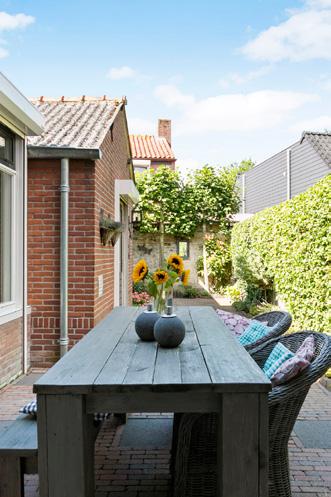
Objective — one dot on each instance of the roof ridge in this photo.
(149, 136)
(322, 133)
(82, 98)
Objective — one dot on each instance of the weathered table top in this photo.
(111, 358)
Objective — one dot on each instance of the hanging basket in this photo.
(110, 231)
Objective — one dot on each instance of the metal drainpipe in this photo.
(64, 189)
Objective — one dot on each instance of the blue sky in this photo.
(239, 78)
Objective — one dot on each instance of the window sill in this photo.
(7, 315)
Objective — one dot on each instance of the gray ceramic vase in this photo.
(169, 330)
(145, 322)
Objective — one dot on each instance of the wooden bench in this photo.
(18, 455)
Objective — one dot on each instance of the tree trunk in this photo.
(205, 269)
(161, 253)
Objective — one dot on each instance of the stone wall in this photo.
(146, 246)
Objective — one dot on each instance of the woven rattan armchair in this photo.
(278, 321)
(195, 459)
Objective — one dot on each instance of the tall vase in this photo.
(163, 298)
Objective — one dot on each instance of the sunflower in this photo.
(140, 270)
(160, 276)
(176, 262)
(185, 276)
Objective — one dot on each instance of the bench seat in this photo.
(19, 438)
(18, 455)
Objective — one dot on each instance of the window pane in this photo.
(2, 147)
(183, 249)
(7, 147)
(5, 237)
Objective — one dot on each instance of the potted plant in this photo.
(159, 283)
(110, 230)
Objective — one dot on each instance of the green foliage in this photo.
(218, 260)
(207, 197)
(213, 193)
(286, 249)
(165, 198)
(189, 292)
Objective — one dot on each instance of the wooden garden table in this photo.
(111, 370)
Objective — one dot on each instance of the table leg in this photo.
(243, 445)
(65, 446)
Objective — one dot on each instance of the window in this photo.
(140, 169)
(183, 249)
(7, 147)
(7, 174)
(5, 236)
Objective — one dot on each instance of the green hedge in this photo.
(286, 248)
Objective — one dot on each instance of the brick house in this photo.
(79, 171)
(149, 151)
(18, 119)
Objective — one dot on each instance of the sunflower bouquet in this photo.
(159, 283)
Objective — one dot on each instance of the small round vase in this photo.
(145, 322)
(169, 330)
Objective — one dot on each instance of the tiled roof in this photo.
(151, 147)
(321, 142)
(75, 122)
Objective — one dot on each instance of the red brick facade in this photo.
(91, 189)
(11, 350)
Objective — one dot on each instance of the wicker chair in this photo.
(195, 461)
(279, 321)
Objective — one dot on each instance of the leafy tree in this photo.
(173, 207)
(165, 199)
(215, 197)
(167, 205)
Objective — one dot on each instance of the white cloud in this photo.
(305, 35)
(123, 72)
(9, 22)
(3, 53)
(240, 79)
(170, 96)
(320, 123)
(326, 85)
(319, 3)
(141, 126)
(233, 112)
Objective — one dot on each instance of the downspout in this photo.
(64, 189)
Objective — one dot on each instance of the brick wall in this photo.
(11, 348)
(91, 189)
(112, 166)
(44, 255)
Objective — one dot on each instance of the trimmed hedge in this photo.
(286, 248)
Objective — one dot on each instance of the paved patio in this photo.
(131, 465)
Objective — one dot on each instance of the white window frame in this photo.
(13, 308)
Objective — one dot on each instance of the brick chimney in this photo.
(165, 129)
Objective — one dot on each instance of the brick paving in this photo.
(138, 472)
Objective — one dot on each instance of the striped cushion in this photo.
(31, 409)
(277, 357)
(253, 333)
